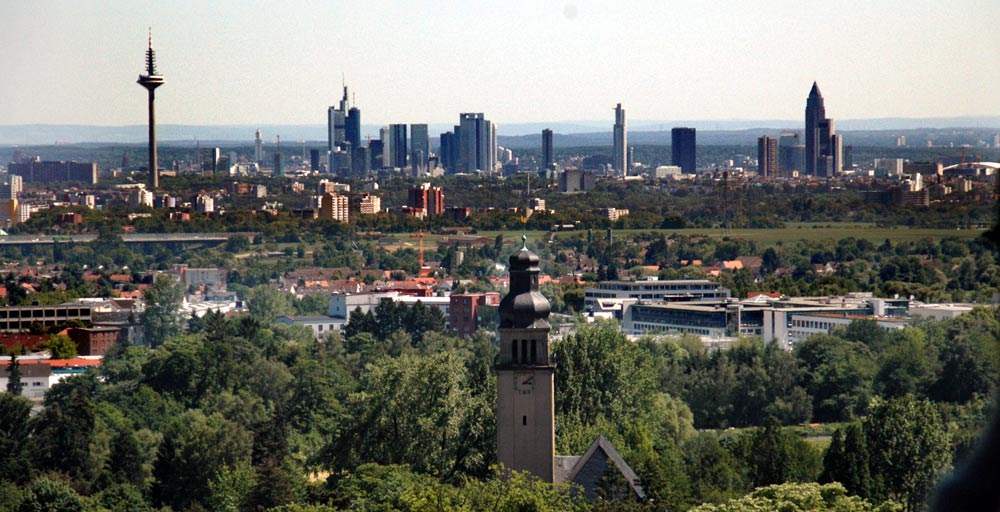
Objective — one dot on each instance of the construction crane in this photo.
(420, 235)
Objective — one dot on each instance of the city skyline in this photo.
(235, 64)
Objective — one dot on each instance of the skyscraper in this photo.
(258, 147)
(815, 113)
(10, 187)
(547, 161)
(823, 146)
(334, 118)
(314, 160)
(619, 160)
(375, 153)
(398, 149)
(279, 162)
(386, 138)
(477, 143)
(337, 120)
(791, 153)
(683, 149)
(353, 127)
(216, 159)
(449, 151)
(420, 148)
(151, 80)
(767, 156)
(333, 206)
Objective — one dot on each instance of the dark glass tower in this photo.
(397, 132)
(683, 149)
(353, 127)
(767, 157)
(619, 160)
(151, 80)
(547, 162)
(815, 119)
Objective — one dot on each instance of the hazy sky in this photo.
(229, 62)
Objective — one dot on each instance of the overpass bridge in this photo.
(128, 238)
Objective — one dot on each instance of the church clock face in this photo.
(524, 382)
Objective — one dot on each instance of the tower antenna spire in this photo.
(150, 81)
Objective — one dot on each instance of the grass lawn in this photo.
(793, 231)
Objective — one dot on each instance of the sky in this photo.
(283, 62)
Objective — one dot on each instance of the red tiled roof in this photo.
(57, 363)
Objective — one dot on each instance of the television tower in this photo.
(151, 80)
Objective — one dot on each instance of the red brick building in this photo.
(18, 341)
(94, 341)
(463, 311)
(425, 200)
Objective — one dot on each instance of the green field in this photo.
(764, 237)
(794, 231)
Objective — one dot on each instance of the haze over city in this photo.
(237, 63)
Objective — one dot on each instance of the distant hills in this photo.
(567, 133)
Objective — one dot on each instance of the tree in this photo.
(775, 456)
(67, 437)
(802, 497)
(770, 261)
(715, 472)
(162, 299)
(122, 498)
(61, 346)
(601, 375)
(230, 488)
(867, 332)
(420, 319)
(275, 483)
(15, 464)
(847, 461)
(969, 357)
(838, 375)
(908, 447)
(50, 494)
(123, 363)
(905, 365)
(360, 322)
(266, 303)
(195, 449)
(419, 410)
(14, 385)
(174, 369)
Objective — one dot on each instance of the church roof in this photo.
(524, 306)
(590, 470)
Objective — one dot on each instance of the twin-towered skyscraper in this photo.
(343, 127)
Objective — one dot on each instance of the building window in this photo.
(524, 420)
(513, 351)
(533, 352)
(524, 351)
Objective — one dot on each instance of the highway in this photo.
(128, 238)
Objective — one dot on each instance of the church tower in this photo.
(526, 434)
